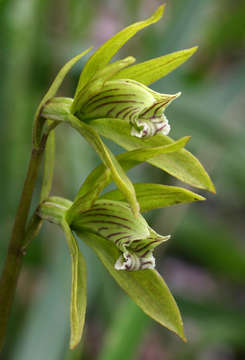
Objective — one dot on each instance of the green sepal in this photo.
(155, 196)
(109, 160)
(104, 54)
(132, 158)
(78, 287)
(54, 210)
(127, 160)
(37, 127)
(180, 164)
(152, 70)
(146, 287)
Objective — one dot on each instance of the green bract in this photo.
(123, 99)
(114, 221)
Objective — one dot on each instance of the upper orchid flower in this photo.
(126, 99)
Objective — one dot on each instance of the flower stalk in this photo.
(14, 259)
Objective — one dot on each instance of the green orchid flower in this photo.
(114, 221)
(124, 99)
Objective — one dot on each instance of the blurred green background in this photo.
(204, 263)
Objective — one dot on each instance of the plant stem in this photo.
(14, 259)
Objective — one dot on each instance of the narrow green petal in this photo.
(132, 158)
(104, 54)
(53, 89)
(109, 160)
(127, 160)
(146, 287)
(152, 70)
(180, 164)
(78, 288)
(155, 196)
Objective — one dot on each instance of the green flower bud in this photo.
(123, 99)
(114, 221)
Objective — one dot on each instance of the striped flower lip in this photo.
(124, 99)
(114, 221)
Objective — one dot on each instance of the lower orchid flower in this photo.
(132, 235)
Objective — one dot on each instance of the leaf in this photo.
(52, 91)
(146, 287)
(104, 54)
(127, 160)
(117, 173)
(155, 196)
(78, 288)
(180, 164)
(152, 70)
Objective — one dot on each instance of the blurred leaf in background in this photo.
(204, 264)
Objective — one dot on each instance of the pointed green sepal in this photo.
(104, 54)
(156, 196)
(78, 288)
(109, 160)
(54, 210)
(152, 70)
(127, 161)
(180, 164)
(146, 287)
(37, 128)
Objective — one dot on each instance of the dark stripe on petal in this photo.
(132, 108)
(107, 97)
(115, 234)
(109, 222)
(160, 129)
(93, 209)
(149, 109)
(145, 253)
(121, 111)
(98, 94)
(133, 113)
(109, 215)
(148, 244)
(159, 107)
(123, 237)
(110, 111)
(117, 102)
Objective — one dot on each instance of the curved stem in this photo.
(35, 222)
(14, 259)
